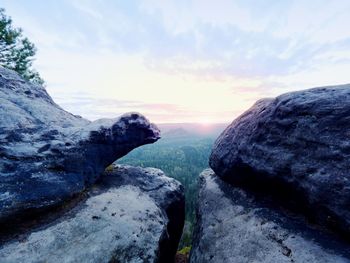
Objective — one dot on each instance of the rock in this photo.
(234, 225)
(295, 147)
(131, 214)
(180, 258)
(47, 155)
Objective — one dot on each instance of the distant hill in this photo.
(179, 130)
(176, 133)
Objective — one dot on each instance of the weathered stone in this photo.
(130, 215)
(47, 154)
(297, 148)
(236, 226)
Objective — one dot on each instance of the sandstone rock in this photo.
(130, 215)
(297, 148)
(47, 154)
(233, 225)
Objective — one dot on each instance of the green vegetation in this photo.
(182, 158)
(185, 251)
(16, 51)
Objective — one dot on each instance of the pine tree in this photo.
(16, 51)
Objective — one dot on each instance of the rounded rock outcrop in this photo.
(296, 148)
(48, 155)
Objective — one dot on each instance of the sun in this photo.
(205, 121)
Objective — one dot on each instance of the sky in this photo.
(183, 61)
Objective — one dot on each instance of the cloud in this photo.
(183, 59)
(240, 38)
(220, 39)
(93, 108)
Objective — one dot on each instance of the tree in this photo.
(16, 51)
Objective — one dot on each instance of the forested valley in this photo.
(182, 153)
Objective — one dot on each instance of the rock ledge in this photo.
(233, 225)
(131, 214)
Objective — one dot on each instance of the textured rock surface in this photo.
(47, 154)
(235, 226)
(297, 148)
(130, 215)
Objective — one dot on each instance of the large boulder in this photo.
(130, 215)
(296, 148)
(47, 155)
(235, 225)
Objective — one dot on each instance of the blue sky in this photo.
(183, 61)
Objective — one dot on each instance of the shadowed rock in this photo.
(236, 226)
(296, 148)
(131, 214)
(47, 154)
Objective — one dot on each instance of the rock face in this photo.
(130, 215)
(234, 225)
(47, 155)
(296, 148)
